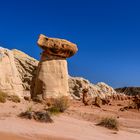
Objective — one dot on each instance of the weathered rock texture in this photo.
(18, 71)
(26, 67)
(52, 75)
(78, 84)
(57, 47)
(52, 79)
(10, 81)
(129, 90)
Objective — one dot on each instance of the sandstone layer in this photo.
(129, 90)
(26, 67)
(57, 47)
(77, 84)
(51, 80)
(18, 71)
(10, 81)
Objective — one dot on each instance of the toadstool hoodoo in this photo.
(51, 79)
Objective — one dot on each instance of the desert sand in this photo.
(77, 123)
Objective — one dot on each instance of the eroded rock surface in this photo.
(57, 47)
(51, 79)
(10, 81)
(26, 67)
(129, 90)
(77, 84)
(18, 71)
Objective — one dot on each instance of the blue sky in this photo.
(107, 33)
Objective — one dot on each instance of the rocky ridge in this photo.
(23, 68)
(129, 90)
(10, 81)
(26, 67)
(77, 84)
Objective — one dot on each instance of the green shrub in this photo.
(3, 97)
(59, 105)
(109, 122)
(14, 98)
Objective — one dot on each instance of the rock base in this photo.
(51, 79)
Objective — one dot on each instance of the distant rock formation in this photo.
(78, 84)
(129, 90)
(52, 75)
(10, 81)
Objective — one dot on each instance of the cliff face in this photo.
(10, 81)
(77, 84)
(26, 67)
(17, 72)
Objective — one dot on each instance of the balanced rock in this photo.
(52, 74)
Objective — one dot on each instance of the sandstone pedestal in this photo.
(52, 75)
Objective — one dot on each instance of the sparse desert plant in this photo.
(59, 105)
(29, 109)
(14, 98)
(109, 122)
(27, 114)
(41, 116)
(3, 97)
(53, 110)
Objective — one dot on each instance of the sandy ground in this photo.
(78, 123)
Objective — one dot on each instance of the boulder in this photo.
(57, 47)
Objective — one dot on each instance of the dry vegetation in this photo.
(59, 105)
(3, 97)
(55, 106)
(41, 116)
(14, 98)
(110, 123)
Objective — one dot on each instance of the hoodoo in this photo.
(51, 79)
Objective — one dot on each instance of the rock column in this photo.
(52, 74)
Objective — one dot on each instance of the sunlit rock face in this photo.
(77, 84)
(10, 81)
(57, 47)
(26, 66)
(52, 74)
